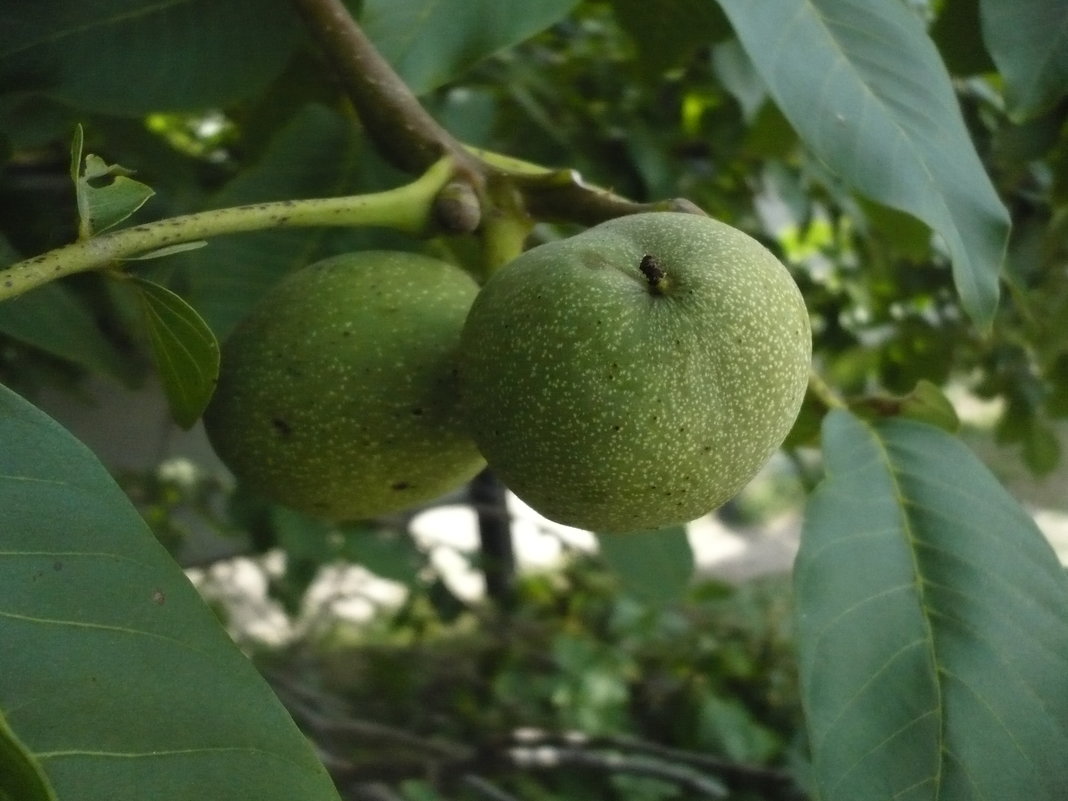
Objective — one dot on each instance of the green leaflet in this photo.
(869, 94)
(1028, 40)
(117, 678)
(933, 625)
(184, 348)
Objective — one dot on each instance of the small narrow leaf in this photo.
(103, 206)
(654, 566)
(169, 250)
(96, 167)
(77, 143)
(1028, 40)
(108, 205)
(81, 199)
(932, 623)
(925, 403)
(928, 404)
(185, 350)
(865, 88)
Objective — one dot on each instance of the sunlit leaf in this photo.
(865, 88)
(735, 71)
(933, 625)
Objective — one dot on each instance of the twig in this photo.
(409, 137)
(487, 788)
(564, 196)
(495, 537)
(547, 757)
(304, 705)
(822, 391)
(495, 195)
(407, 208)
(400, 127)
(737, 770)
(375, 791)
(527, 749)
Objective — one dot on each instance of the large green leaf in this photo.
(1028, 40)
(932, 624)
(118, 682)
(134, 56)
(865, 88)
(429, 42)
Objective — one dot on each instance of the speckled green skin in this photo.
(338, 392)
(609, 404)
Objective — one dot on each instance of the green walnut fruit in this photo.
(638, 374)
(338, 392)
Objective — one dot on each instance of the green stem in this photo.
(823, 391)
(407, 208)
(562, 195)
(505, 226)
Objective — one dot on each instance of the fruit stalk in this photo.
(821, 390)
(407, 208)
(488, 496)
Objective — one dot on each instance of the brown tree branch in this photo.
(729, 769)
(406, 134)
(402, 130)
(548, 758)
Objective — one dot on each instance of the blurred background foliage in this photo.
(556, 698)
(432, 691)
